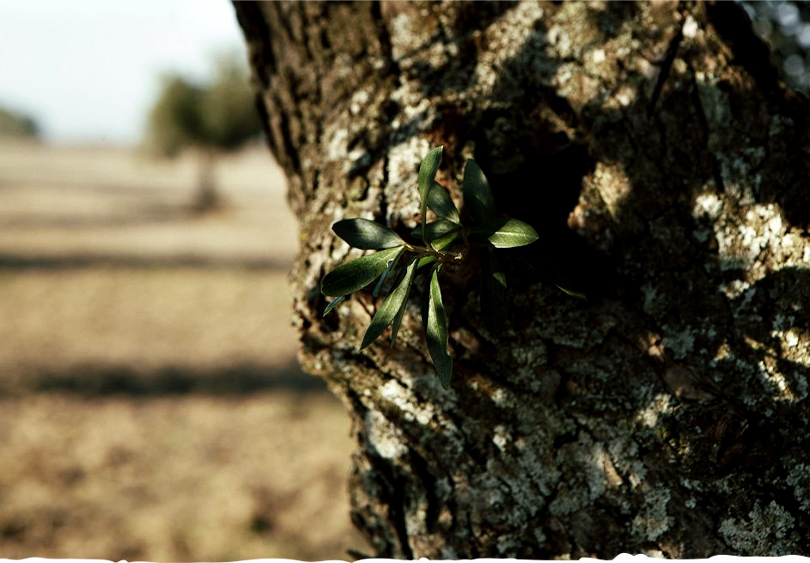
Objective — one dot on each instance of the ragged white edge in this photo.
(627, 558)
(244, 561)
(43, 560)
(622, 558)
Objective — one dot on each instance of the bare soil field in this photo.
(151, 407)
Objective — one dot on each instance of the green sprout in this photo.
(445, 244)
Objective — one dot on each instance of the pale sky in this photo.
(88, 70)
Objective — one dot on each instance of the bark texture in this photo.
(665, 168)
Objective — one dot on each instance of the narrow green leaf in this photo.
(390, 268)
(436, 332)
(509, 233)
(367, 235)
(440, 202)
(478, 197)
(424, 261)
(398, 319)
(436, 229)
(357, 274)
(427, 176)
(390, 308)
(572, 293)
(332, 304)
(446, 240)
(493, 293)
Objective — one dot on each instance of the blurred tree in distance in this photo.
(16, 125)
(207, 118)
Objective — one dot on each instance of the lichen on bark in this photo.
(664, 167)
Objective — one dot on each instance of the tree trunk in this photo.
(665, 168)
(206, 197)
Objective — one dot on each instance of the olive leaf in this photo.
(445, 240)
(436, 230)
(478, 199)
(390, 268)
(390, 309)
(366, 234)
(572, 293)
(424, 261)
(436, 332)
(333, 303)
(357, 274)
(427, 176)
(398, 319)
(509, 233)
(440, 202)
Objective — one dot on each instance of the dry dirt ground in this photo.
(150, 404)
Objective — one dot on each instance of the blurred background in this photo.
(785, 26)
(151, 405)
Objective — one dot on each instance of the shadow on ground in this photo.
(10, 261)
(244, 379)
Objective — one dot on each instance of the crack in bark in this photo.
(384, 37)
(666, 66)
(716, 166)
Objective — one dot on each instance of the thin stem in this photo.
(441, 256)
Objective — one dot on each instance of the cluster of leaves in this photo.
(445, 243)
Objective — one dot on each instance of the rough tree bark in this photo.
(665, 168)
